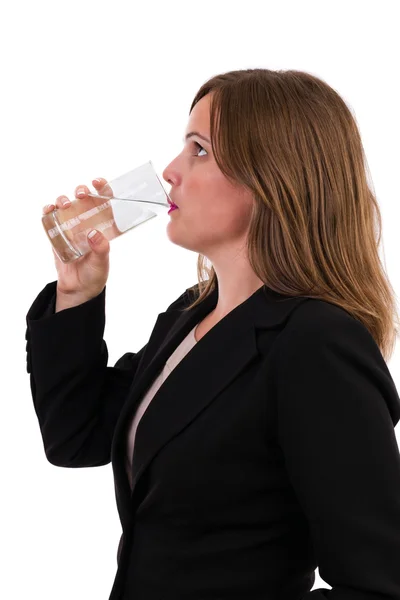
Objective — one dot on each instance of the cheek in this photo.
(226, 219)
(212, 201)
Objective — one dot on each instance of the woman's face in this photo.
(213, 216)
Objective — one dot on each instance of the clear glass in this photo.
(123, 204)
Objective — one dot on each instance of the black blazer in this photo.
(269, 450)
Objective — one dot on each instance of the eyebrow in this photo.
(192, 133)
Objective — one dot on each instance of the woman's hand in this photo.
(85, 277)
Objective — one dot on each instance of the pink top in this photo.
(180, 352)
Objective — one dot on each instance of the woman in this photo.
(266, 410)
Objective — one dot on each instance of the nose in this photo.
(167, 174)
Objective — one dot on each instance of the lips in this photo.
(172, 204)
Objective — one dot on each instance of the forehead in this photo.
(199, 118)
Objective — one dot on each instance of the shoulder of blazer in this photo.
(320, 331)
(319, 322)
(311, 315)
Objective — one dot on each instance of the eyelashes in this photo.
(199, 147)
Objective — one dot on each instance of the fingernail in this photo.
(92, 234)
(80, 193)
(65, 202)
(97, 180)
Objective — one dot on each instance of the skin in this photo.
(213, 216)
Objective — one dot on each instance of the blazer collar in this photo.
(218, 358)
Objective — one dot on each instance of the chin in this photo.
(179, 240)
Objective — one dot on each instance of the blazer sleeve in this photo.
(76, 396)
(337, 406)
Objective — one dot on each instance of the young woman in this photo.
(252, 438)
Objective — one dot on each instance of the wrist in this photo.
(64, 301)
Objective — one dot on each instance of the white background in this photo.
(94, 89)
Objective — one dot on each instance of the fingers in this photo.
(48, 208)
(81, 191)
(100, 184)
(61, 202)
(102, 187)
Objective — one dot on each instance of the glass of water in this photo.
(123, 204)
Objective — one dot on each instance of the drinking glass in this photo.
(125, 203)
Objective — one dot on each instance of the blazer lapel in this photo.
(223, 353)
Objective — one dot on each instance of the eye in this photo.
(199, 147)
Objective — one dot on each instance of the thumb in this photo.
(98, 242)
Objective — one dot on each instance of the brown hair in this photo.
(291, 140)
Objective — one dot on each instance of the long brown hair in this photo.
(316, 224)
